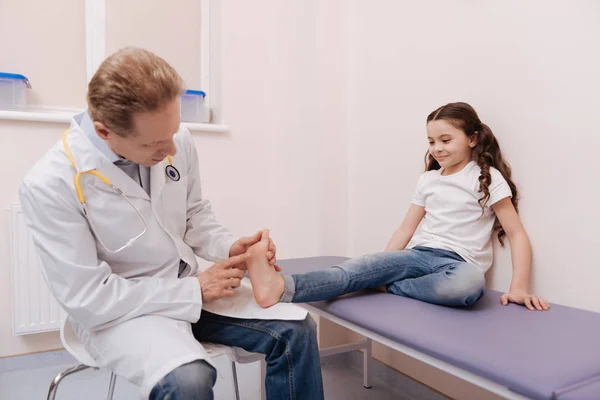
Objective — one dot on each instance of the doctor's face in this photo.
(152, 141)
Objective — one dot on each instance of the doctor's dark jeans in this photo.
(290, 349)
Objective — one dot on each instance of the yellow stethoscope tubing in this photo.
(104, 179)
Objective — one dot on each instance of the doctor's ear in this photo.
(102, 130)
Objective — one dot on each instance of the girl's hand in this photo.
(523, 298)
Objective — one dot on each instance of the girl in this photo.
(465, 195)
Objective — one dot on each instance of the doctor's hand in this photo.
(221, 279)
(240, 247)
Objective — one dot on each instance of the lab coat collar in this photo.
(88, 157)
(158, 178)
(87, 126)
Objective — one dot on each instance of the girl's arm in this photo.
(521, 257)
(411, 221)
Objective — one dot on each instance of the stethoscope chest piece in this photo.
(172, 173)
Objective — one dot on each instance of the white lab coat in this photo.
(129, 309)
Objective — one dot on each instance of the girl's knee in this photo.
(465, 284)
(474, 297)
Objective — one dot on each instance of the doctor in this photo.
(117, 216)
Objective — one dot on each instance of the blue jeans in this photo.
(290, 347)
(431, 275)
(190, 381)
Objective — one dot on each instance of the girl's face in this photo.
(450, 146)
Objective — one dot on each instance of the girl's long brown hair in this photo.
(486, 152)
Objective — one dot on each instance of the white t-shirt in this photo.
(453, 219)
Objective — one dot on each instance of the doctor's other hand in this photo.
(221, 279)
(243, 244)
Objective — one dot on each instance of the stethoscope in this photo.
(171, 172)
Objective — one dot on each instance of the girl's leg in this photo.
(453, 284)
(363, 272)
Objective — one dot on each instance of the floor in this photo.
(27, 378)
(343, 382)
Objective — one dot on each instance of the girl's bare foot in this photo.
(381, 289)
(267, 284)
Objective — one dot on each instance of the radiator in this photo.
(34, 309)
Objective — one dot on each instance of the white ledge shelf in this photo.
(213, 128)
(38, 116)
(65, 117)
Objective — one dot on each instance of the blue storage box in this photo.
(193, 108)
(13, 91)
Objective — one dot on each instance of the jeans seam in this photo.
(288, 356)
(273, 334)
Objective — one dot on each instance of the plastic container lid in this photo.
(18, 77)
(195, 93)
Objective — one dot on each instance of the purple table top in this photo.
(542, 355)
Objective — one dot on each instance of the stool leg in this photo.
(235, 381)
(263, 379)
(60, 377)
(111, 386)
(367, 361)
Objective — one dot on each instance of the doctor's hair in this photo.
(128, 82)
(486, 152)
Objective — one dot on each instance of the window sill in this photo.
(38, 116)
(213, 128)
(65, 117)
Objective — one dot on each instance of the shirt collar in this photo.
(87, 126)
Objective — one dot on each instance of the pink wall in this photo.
(149, 24)
(25, 143)
(284, 99)
(534, 80)
(327, 101)
(282, 166)
(55, 62)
